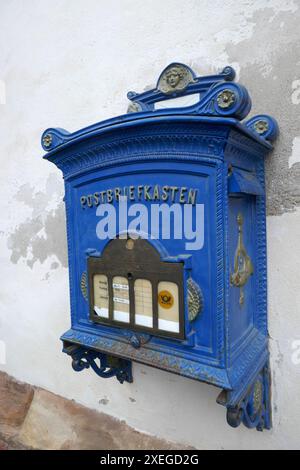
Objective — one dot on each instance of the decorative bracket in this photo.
(110, 366)
(254, 409)
(243, 267)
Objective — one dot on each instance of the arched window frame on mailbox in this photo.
(122, 258)
(183, 139)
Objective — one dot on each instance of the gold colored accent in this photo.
(225, 99)
(164, 192)
(261, 126)
(195, 299)
(243, 267)
(47, 140)
(165, 299)
(130, 244)
(175, 79)
(134, 107)
(257, 396)
(83, 285)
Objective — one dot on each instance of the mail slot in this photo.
(165, 209)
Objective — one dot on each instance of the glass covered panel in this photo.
(143, 303)
(101, 295)
(168, 307)
(121, 305)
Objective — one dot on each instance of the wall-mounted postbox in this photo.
(166, 237)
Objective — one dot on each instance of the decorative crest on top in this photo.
(178, 80)
(211, 95)
(175, 78)
(180, 92)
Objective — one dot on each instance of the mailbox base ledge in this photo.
(193, 369)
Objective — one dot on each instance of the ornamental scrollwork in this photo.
(103, 365)
(254, 409)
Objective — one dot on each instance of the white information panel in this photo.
(168, 306)
(121, 305)
(101, 295)
(143, 303)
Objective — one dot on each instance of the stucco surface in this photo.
(70, 64)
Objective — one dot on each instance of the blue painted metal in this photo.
(83, 358)
(201, 146)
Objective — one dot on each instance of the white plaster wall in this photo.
(68, 64)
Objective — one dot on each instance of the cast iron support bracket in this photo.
(254, 408)
(109, 366)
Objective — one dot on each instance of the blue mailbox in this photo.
(166, 233)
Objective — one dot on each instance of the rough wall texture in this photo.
(70, 67)
(32, 418)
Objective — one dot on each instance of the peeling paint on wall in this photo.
(269, 66)
(296, 92)
(295, 157)
(43, 234)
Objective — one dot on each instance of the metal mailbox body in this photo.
(210, 161)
